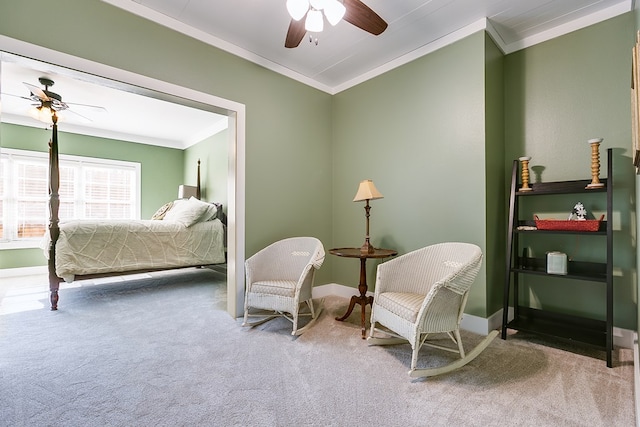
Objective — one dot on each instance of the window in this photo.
(90, 188)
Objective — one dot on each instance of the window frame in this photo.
(78, 162)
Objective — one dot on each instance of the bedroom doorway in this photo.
(116, 79)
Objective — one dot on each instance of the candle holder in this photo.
(524, 161)
(595, 164)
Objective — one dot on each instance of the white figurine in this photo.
(579, 212)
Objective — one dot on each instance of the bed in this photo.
(182, 233)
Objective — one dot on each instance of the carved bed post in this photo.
(198, 184)
(54, 205)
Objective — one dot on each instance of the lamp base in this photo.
(594, 185)
(367, 248)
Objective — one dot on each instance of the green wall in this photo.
(559, 94)
(436, 135)
(418, 132)
(213, 154)
(161, 171)
(288, 124)
(496, 198)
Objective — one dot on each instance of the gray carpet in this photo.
(161, 351)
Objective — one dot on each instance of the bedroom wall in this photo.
(559, 94)
(637, 195)
(161, 170)
(213, 154)
(496, 196)
(288, 124)
(419, 132)
(426, 133)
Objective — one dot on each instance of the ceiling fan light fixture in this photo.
(42, 114)
(334, 10)
(314, 21)
(318, 4)
(297, 8)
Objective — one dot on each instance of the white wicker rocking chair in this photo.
(280, 278)
(424, 292)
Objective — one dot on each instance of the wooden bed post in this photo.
(54, 206)
(198, 183)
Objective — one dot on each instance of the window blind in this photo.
(89, 189)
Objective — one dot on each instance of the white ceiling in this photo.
(256, 30)
(127, 113)
(346, 55)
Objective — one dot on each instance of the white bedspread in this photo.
(90, 247)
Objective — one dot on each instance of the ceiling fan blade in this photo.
(295, 33)
(37, 91)
(88, 120)
(360, 15)
(95, 108)
(17, 96)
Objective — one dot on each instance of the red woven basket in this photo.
(568, 225)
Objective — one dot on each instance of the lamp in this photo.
(367, 191)
(333, 10)
(314, 21)
(297, 8)
(42, 114)
(187, 191)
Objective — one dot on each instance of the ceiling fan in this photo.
(355, 13)
(46, 102)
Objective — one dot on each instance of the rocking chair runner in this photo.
(280, 278)
(424, 292)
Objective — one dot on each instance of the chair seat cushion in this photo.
(284, 288)
(405, 305)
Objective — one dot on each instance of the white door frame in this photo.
(237, 122)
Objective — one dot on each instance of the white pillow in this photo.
(212, 212)
(160, 213)
(187, 213)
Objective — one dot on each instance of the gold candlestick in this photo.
(595, 164)
(525, 173)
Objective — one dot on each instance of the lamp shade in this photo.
(314, 21)
(187, 191)
(334, 11)
(42, 114)
(367, 191)
(297, 8)
(318, 4)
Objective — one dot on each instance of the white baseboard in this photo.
(469, 322)
(636, 377)
(479, 325)
(621, 337)
(23, 271)
(333, 289)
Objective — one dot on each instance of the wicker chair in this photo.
(280, 278)
(424, 292)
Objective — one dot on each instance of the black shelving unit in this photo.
(594, 332)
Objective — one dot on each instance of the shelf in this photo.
(579, 270)
(562, 187)
(567, 327)
(602, 230)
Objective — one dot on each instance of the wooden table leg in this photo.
(361, 299)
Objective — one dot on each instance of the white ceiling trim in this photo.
(187, 30)
(479, 25)
(570, 27)
(27, 50)
(102, 133)
(217, 127)
(447, 40)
